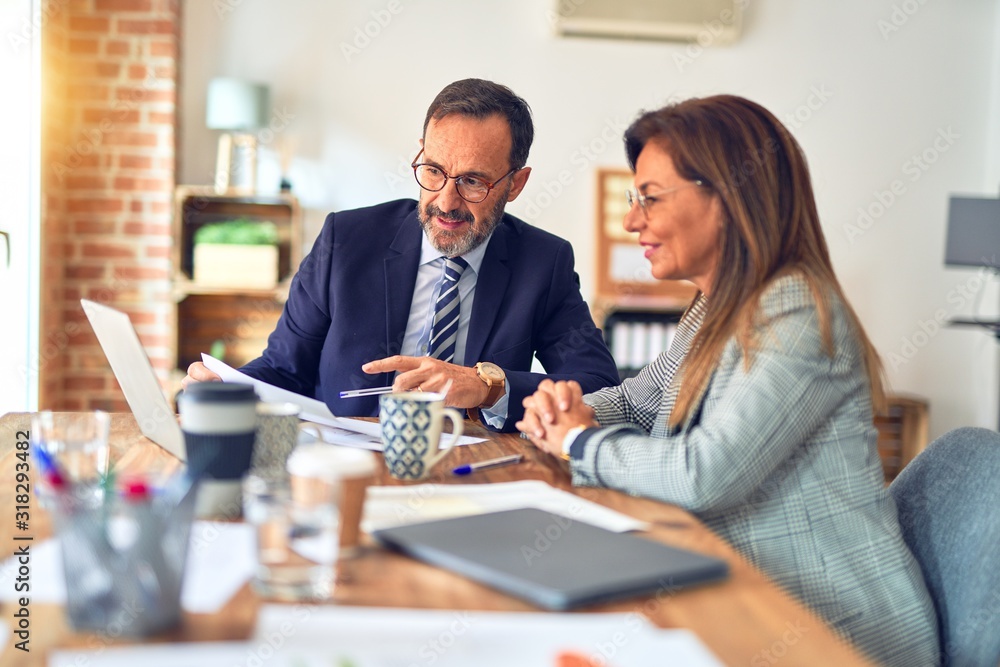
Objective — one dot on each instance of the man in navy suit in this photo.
(385, 287)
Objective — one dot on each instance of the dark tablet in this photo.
(550, 560)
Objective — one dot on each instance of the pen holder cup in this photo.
(124, 562)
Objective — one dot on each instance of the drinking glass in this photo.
(77, 443)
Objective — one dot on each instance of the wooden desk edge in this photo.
(756, 620)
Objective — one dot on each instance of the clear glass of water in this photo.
(297, 539)
(77, 442)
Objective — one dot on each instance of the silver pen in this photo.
(375, 391)
(371, 391)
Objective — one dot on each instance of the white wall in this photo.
(861, 99)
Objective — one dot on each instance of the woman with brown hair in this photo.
(759, 417)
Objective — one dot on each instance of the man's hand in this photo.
(429, 374)
(551, 411)
(198, 372)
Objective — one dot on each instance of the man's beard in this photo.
(453, 244)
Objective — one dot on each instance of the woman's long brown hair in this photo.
(770, 226)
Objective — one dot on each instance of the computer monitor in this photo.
(973, 232)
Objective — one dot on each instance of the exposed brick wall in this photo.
(108, 141)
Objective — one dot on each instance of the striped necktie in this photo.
(444, 331)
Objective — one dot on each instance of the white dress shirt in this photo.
(416, 340)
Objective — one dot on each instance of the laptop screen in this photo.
(135, 374)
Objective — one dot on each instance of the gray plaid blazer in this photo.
(780, 461)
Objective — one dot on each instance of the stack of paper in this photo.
(387, 506)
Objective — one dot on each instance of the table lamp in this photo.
(237, 107)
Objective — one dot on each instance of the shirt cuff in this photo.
(496, 415)
(578, 449)
(570, 438)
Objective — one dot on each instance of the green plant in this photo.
(241, 231)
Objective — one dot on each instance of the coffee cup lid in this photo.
(278, 409)
(325, 461)
(219, 392)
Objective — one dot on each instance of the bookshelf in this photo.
(237, 314)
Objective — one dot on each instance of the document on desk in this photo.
(312, 410)
(221, 558)
(332, 429)
(387, 506)
(321, 636)
(357, 433)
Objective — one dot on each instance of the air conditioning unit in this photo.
(707, 22)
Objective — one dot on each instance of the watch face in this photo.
(492, 371)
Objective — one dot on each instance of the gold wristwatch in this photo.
(495, 379)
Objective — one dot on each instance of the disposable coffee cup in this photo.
(219, 423)
(306, 520)
(340, 473)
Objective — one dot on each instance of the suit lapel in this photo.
(679, 348)
(401, 265)
(491, 286)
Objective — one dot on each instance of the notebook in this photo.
(550, 560)
(131, 367)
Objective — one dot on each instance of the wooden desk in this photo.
(745, 620)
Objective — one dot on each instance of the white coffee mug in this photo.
(411, 432)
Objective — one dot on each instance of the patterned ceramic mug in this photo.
(277, 435)
(411, 432)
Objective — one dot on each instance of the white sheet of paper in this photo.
(342, 431)
(312, 410)
(335, 435)
(387, 506)
(321, 636)
(200, 654)
(221, 558)
(367, 435)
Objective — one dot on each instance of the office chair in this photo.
(949, 510)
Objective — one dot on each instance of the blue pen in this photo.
(50, 471)
(470, 468)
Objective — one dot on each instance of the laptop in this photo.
(552, 561)
(135, 374)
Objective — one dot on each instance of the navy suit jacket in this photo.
(350, 301)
